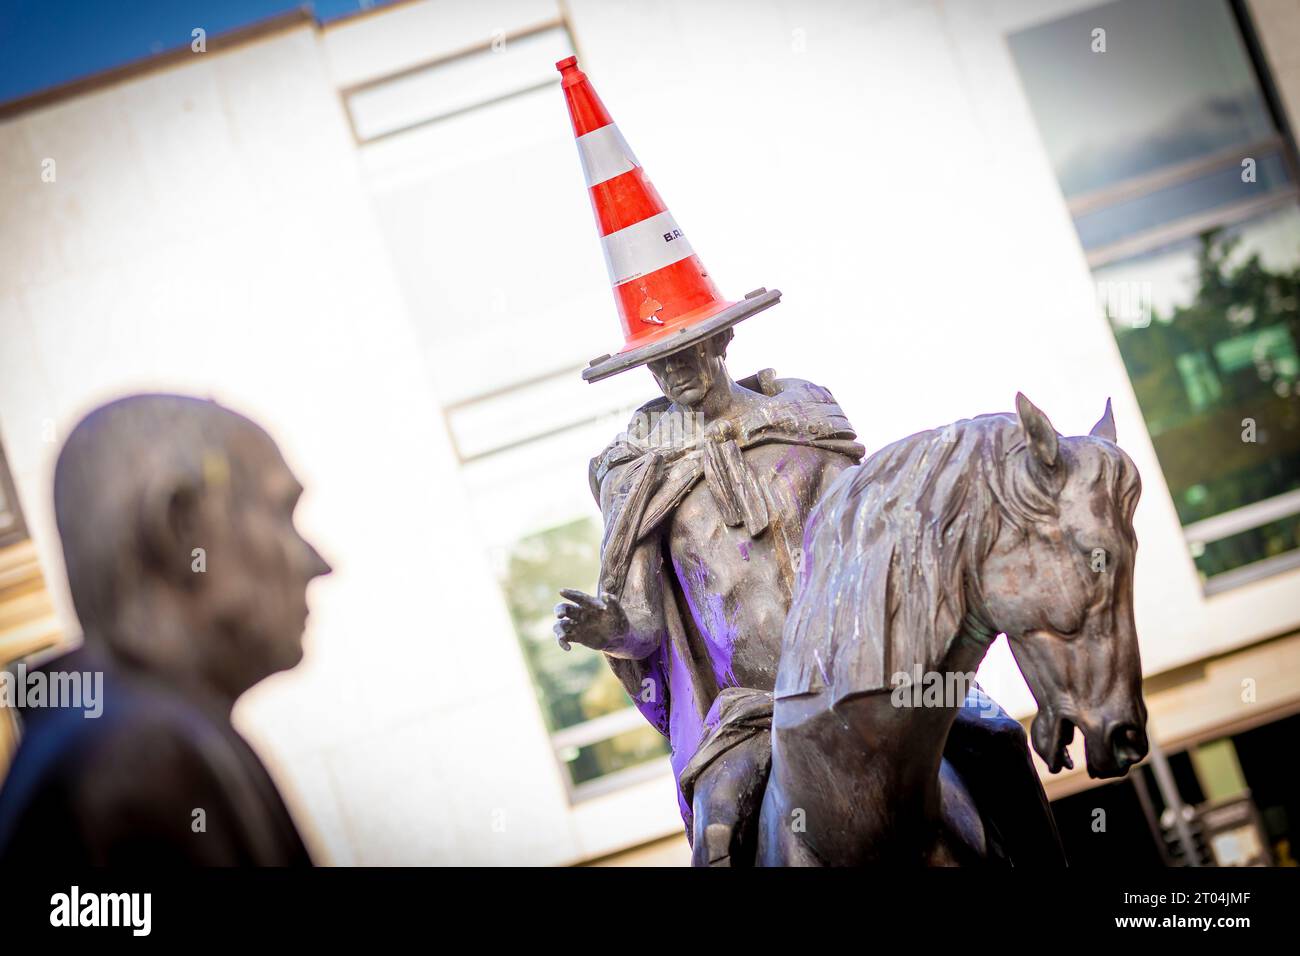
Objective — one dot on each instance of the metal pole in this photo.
(1139, 779)
(1169, 793)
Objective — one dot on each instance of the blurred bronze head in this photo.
(176, 516)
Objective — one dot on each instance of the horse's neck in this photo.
(906, 732)
(966, 651)
(899, 749)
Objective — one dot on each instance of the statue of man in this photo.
(189, 580)
(730, 473)
(705, 498)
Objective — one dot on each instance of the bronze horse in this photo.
(915, 560)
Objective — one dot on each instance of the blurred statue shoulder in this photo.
(125, 787)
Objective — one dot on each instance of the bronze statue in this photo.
(705, 531)
(918, 558)
(189, 580)
(706, 499)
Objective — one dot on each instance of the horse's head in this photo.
(1060, 586)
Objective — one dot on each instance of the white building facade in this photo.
(372, 237)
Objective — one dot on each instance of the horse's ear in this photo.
(1105, 427)
(1040, 436)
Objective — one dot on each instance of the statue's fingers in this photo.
(569, 611)
(580, 598)
(561, 636)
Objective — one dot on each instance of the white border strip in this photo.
(605, 154)
(645, 247)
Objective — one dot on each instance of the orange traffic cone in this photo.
(666, 300)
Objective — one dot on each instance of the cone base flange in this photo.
(609, 365)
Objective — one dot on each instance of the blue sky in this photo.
(47, 42)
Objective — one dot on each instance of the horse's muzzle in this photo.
(1127, 744)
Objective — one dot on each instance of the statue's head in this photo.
(1060, 586)
(688, 376)
(176, 516)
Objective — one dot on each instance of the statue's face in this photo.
(686, 377)
(254, 593)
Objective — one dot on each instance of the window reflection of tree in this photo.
(576, 686)
(1203, 368)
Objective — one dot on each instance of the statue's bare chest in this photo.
(739, 586)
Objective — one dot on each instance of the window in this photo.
(12, 527)
(594, 730)
(28, 626)
(1182, 187)
(476, 181)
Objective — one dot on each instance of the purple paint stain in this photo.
(711, 620)
(793, 459)
(685, 727)
(656, 710)
(744, 550)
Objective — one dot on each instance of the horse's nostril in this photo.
(1128, 744)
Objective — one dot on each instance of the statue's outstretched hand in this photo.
(592, 622)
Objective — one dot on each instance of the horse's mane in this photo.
(892, 547)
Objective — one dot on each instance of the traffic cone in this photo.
(665, 298)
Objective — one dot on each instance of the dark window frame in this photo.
(1246, 517)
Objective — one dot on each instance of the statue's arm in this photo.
(642, 603)
(626, 619)
(642, 594)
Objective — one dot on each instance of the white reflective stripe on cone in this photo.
(605, 154)
(645, 247)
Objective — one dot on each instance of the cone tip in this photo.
(568, 63)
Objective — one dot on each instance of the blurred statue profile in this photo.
(189, 580)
